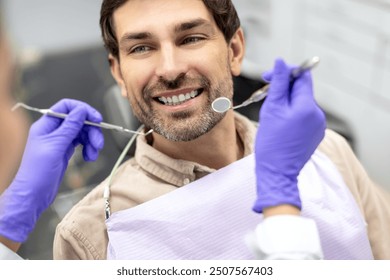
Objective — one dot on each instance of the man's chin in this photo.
(181, 115)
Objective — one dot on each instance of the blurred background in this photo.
(60, 55)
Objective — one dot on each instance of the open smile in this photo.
(174, 100)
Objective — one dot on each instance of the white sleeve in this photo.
(287, 237)
(7, 254)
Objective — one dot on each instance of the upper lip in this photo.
(174, 92)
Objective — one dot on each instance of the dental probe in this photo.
(222, 104)
(63, 116)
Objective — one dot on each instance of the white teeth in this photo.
(176, 100)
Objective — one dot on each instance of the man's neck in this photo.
(218, 148)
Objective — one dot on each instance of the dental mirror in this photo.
(223, 104)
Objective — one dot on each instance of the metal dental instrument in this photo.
(222, 104)
(63, 116)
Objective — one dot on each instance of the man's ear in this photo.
(117, 74)
(236, 52)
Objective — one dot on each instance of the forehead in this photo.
(157, 15)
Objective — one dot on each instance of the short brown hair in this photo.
(223, 11)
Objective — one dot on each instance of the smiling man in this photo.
(171, 59)
(171, 73)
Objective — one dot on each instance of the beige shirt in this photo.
(82, 233)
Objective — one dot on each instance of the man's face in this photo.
(174, 62)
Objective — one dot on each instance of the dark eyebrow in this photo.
(178, 28)
(135, 36)
(192, 24)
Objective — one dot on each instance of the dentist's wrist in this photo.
(12, 245)
(284, 209)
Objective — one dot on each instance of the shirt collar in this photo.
(181, 172)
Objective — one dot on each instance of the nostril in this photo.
(173, 83)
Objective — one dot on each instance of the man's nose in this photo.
(172, 63)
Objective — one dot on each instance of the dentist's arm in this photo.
(50, 145)
(291, 127)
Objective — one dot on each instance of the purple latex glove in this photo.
(291, 127)
(50, 145)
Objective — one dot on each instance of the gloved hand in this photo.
(291, 127)
(50, 145)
